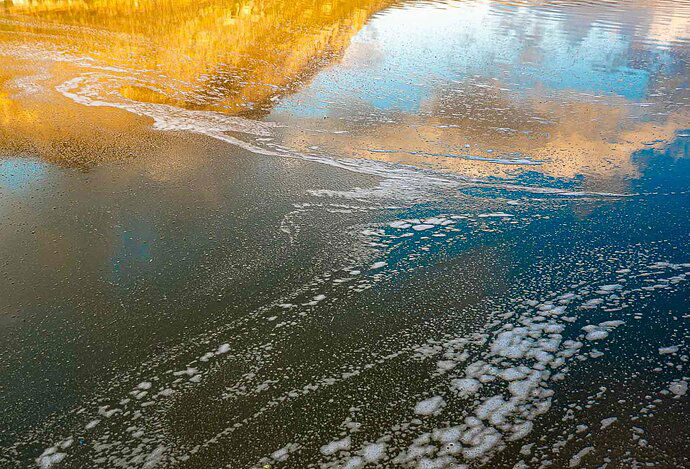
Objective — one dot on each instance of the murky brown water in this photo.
(344, 234)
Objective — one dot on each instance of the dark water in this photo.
(344, 234)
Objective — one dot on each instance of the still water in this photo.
(344, 234)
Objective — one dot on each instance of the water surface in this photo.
(344, 234)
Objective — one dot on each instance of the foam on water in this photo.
(335, 446)
(488, 388)
(535, 337)
(668, 350)
(679, 388)
(100, 85)
(503, 376)
(429, 406)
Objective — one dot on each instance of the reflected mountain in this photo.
(234, 57)
(237, 57)
(486, 88)
(480, 88)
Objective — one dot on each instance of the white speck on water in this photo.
(49, 457)
(92, 424)
(154, 457)
(445, 365)
(608, 421)
(611, 324)
(577, 459)
(189, 371)
(399, 224)
(679, 388)
(609, 288)
(466, 386)
(144, 385)
(373, 452)
(489, 406)
(668, 350)
(511, 374)
(282, 454)
(521, 430)
(595, 333)
(495, 215)
(590, 304)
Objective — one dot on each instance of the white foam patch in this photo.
(495, 215)
(466, 386)
(435, 221)
(335, 446)
(429, 406)
(283, 453)
(679, 388)
(596, 334)
(536, 345)
(92, 424)
(144, 385)
(50, 457)
(607, 422)
(536, 338)
(374, 452)
(576, 460)
(154, 457)
(609, 288)
(98, 89)
(445, 365)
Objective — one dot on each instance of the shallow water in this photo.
(344, 234)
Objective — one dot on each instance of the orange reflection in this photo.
(560, 137)
(240, 57)
(234, 56)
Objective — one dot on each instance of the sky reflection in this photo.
(577, 87)
(17, 174)
(480, 88)
(416, 48)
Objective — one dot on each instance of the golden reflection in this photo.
(563, 138)
(11, 113)
(34, 122)
(241, 57)
(234, 56)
